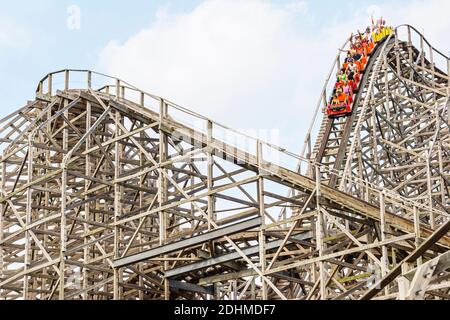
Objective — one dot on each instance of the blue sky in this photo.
(52, 46)
(268, 63)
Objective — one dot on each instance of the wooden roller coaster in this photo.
(109, 192)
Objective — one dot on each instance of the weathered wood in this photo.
(90, 177)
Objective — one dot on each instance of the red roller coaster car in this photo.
(339, 110)
(351, 75)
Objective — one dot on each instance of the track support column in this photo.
(63, 231)
(162, 189)
(117, 206)
(261, 234)
(320, 232)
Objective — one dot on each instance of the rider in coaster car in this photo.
(342, 77)
(363, 62)
(357, 78)
(342, 97)
(356, 55)
(339, 84)
(353, 66)
(334, 102)
(348, 89)
(361, 46)
(347, 60)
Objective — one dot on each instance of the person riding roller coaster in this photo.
(350, 75)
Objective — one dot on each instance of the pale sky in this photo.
(250, 64)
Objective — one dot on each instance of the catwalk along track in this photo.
(109, 192)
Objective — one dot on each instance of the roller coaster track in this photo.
(109, 192)
(335, 133)
(338, 138)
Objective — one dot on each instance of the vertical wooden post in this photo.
(384, 251)
(433, 69)
(430, 195)
(448, 71)
(410, 52)
(210, 180)
(141, 204)
(253, 289)
(89, 79)
(162, 188)
(448, 104)
(210, 173)
(50, 84)
(40, 88)
(386, 82)
(28, 220)
(142, 99)
(117, 88)
(117, 205)
(262, 210)
(409, 36)
(397, 53)
(66, 80)
(417, 231)
(422, 54)
(234, 290)
(320, 227)
(441, 169)
(48, 129)
(309, 147)
(432, 63)
(87, 206)
(63, 232)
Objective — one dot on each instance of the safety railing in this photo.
(416, 39)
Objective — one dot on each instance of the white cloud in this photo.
(252, 63)
(298, 6)
(13, 35)
(242, 63)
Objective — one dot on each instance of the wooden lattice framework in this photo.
(108, 192)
